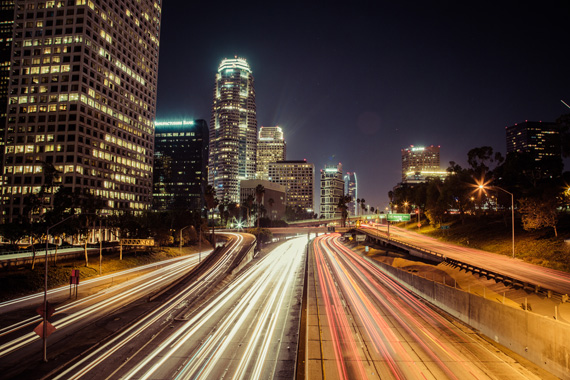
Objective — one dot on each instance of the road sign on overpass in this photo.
(398, 217)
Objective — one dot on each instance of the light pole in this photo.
(45, 287)
(482, 187)
(182, 229)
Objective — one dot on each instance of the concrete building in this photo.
(351, 189)
(180, 164)
(332, 188)
(274, 198)
(82, 98)
(298, 177)
(233, 129)
(6, 35)
(539, 139)
(271, 147)
(420, 163)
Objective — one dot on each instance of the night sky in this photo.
(357, 84)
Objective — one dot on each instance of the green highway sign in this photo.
(398, 217)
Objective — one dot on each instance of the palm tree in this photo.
(363, 205)
(211, 201)
(358, 206)
(343, 207)
(259, 192)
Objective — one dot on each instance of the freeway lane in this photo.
(21, 348)
(534, 274)
(246, 330)
(372, 328)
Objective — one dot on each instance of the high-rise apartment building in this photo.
(180, 164)
(6, 32)
(271, 147)
(351, 189)
(298, 179)
(82, 98)
(539, 139)
(541, 142)
(419, 163)
(332, 188)
(233, 129)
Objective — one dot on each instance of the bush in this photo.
(262, 235)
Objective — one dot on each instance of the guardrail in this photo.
(506, 279)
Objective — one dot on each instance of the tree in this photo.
(342, 205)
(537, 214)
(362, 205)
(259, 192)
(357, 205)
(211, 202)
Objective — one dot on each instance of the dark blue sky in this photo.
(356, 84)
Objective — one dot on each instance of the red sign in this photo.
(74, 279)
(50, 310)
(40, 329)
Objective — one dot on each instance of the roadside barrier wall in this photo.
(543, 340)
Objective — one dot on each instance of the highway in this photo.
(246, 330)
(371, 328)
(525, 272)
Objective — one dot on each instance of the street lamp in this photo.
(182, 229)
(483, 187)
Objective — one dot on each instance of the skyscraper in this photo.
(540, 142)
(6, 31)
(539, 139)
(351, 189)
(271, 147)
(233, 129)
(298, 177)
(180, 164)
(419, 163)
(332, 188)
(82, 98)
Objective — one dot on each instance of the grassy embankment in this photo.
(21, 281)
(494, 234)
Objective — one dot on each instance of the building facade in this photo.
(82, 100)
(6, 35)
(271, 147)
(332, 189)
(180, 164)
(298, 177)
(539, 139)
(351, 189)
(420, 163)
(233, 129)
(274, 198)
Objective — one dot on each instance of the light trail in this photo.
(104, 301)
(263, 288)
(408, 338)
(106, 350)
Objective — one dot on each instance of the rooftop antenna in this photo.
(563, 102)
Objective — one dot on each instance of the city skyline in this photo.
(366, 82)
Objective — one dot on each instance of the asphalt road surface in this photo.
(525, 272)
(246, 329)
(369, 327)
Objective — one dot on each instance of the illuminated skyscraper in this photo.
(419, 163)
(233, 129)
(6, 30)
(270, 148)
(351, 189)
(332, 188)
(298, 178)
(180, 164)
(82, 98)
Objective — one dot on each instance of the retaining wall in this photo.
(540, 339)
